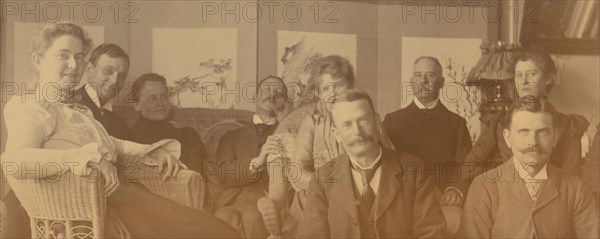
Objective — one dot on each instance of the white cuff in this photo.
(171, 145)
(253, 167)
(462, 196)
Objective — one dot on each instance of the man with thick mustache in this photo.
(242, 160)
(527, 197)
(369, 191)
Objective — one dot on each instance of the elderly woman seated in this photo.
(152, 102)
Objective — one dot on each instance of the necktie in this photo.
(368, 195)
(533, 187)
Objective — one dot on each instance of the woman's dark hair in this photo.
(141, 81)
(541, 58)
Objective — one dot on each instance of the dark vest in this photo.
(366, 224)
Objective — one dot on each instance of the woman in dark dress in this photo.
(53, 129)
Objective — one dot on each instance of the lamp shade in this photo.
(494, 63)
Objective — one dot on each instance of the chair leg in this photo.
(69, 229)
(47, 229)
(98, 228)
(34, 228)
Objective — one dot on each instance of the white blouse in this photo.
(69, 137)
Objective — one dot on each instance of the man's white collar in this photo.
(420, 105)
(540, 175)
(256, 119)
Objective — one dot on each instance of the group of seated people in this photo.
(359, 176)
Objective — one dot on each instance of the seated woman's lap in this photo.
(148, 215)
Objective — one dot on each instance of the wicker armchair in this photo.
(70, 206)
(64, 206)
(185, 188)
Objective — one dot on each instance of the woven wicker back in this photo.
(210, 124)
(63, 197)
(214, 134)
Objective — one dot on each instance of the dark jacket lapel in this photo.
(82, 96)
(342, 192)
(389, 183)
(549, 191)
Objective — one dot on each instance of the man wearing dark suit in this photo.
(428, 130)
(370, 191)
(527, 197)
(106, 73)
(242, 159)
(150, 93)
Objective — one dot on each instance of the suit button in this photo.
(355, 222)
(370, 222)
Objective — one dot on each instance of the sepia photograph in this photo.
(299, 119)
